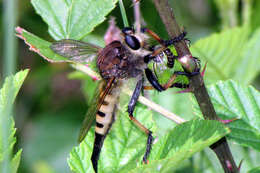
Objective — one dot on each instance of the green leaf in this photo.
(232, 100)
(39, 46)
(123, 148)
(250, 63)
(72, 18)
(8, 93)
(255, 15)
(223, 53)
(53, 137)
(125, 145)
(42, 48)
(16, 161)
(255, 170)
(12, 83)
(181, 143)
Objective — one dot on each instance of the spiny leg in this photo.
(170, 60)
(130, 110)
(170, 84)
(174, 40)
(165, 43)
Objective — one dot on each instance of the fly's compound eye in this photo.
(132, 42)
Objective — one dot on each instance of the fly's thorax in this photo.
(136, 58)
(120, 61)
(112, 60)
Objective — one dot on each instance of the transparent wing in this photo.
(100, 94)
(77, 51)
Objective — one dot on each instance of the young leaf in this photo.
(232, 100)
(181, 143)
(16, 161)
(123, 148)
(222, 52)
(72, 19)
(12, 83)
(8, 93)
(42, 47)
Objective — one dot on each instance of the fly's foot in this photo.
(174, 40)
(148, 147)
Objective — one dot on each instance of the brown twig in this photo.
(137, 14)
(198, 88)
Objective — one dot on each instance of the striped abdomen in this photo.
(104, 119)
(170, 57)
(106, 113)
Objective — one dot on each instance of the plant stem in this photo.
(221, 147)
(10, 40)
(123, 13)
(246, 11)
(228, 10)
(137, 14)
(9, 65)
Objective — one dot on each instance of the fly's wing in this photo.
(76, 51)
(100, 94)
(91, 113)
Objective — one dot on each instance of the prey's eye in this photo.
(132, 42)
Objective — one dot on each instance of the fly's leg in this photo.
(165, 43)
(169, 42)
(130, 110)
(170, 84)
(153, 80)
(174, 40)
(170, 62)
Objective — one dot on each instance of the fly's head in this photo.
(130, 39)
(135, 41)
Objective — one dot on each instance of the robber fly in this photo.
(116, 62)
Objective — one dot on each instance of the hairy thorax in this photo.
(117, 60)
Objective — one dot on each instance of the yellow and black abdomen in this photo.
(106, 114)
(104, 119)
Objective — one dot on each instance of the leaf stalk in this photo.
(123, 13)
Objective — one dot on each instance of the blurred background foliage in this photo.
(52, 102)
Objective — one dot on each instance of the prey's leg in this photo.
(130, 110)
